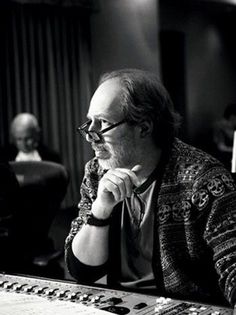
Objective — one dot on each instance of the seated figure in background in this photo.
(26, 146)
(156, 215)
(37, 203)
(223, 133)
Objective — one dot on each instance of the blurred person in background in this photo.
(26, 143)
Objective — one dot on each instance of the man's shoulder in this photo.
(196, 177)
(188, 153)
(189, 163)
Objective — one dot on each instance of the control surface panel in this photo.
(36, 296)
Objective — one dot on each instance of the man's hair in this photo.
(145, 98)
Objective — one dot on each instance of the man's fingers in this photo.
(131, 173)
(125, 181)
(111, 187)
(118, 183)
(136, 168)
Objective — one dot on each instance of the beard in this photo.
(116, 155)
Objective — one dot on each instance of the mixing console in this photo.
(30, 295)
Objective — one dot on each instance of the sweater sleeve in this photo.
(88, 191)
(220, 232)
(81, 272)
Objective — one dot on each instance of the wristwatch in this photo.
(90, 219)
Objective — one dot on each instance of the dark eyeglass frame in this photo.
(96, 135)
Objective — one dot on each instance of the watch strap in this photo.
(92, 220)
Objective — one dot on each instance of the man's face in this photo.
(25, 139)
(119, 145)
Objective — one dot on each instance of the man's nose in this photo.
(94, 126)
(89, 137)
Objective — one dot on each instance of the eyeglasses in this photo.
(95, 136)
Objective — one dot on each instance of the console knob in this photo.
(17, 286)
(28, 288)
(84, 297)
(61, 294)
(39, 290)
(114, 300)
(2, 283)
(7, 285)
(49, 291)
(95, 299)
(73, 295)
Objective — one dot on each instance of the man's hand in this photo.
(114, 187)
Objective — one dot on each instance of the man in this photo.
(25, 133)
(156, 215)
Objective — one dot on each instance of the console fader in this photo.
(113, 301)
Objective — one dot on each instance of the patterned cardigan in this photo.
(194, 254)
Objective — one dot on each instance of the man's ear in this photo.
(146, 128)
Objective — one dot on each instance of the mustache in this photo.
(100, 147)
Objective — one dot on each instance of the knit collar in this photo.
(156, 173)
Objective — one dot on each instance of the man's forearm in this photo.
(90, 245)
